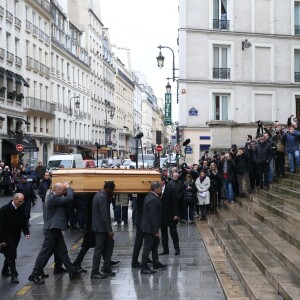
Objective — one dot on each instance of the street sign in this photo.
(19, 147)
(168, 109)
(158, 148)
(188, 150)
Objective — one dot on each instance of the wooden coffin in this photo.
(92, 180)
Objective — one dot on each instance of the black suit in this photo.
(150, 224)
(12, 223)
(55, 222)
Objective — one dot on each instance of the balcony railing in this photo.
(1, 11)
(36, 65)
(46, 38)
(2, 53)
(44, 4)
(17, 22)
(18, 61)
(47, 71)
(221, 73)
(35, 30)
(35, 104)
(297, 76)
(297, 29)
(10, 57)
(9, 16)
(41, 34)
(42, 68)
(29, 62)
(28, 26)
(221, 24)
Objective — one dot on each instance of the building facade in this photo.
(246, 68)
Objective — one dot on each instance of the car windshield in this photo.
(55, 164)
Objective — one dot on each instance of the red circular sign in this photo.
(19, 147)
(158, 148)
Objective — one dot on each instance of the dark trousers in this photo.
(253, 175)
(165, 238)
(104, 247)
(263, 171)
(213, 200)
(188, 211)
(53, 242)
(203, 209)
(151, 243)
(138, 243)
(121, 213)
(279, 163)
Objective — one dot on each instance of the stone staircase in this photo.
(260, 235)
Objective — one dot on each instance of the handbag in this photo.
(202, 194)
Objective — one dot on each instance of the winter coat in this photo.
(6, 177)
(203, 187)
(241, 164)
(262, 152)
(292, 141)
(215, 181)
(190, 192)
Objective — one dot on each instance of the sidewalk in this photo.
(188, 276)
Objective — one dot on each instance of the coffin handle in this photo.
(145, 181)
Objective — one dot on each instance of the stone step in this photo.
(287, 168)
(284, 190)
(254, 282)
(294, 183)
(292, 175)
(283, 199)
(263, 210)
(284, 282)
(282, 249)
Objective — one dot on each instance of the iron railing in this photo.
(221, 24)
(28, 26)
(35, 30)
(2, 53)
(29, 62)
(36, 65)
(41, 34)
(35, 104)
(46, 39)
(18, 61)
(10, 57)
(221, 73)
(18, 22)
(9, 16)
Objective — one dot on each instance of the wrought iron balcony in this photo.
(9, 16)
(35, 30)
(47, 71)
(35, 104)
(41, 34)
(28, 26)
(29, 62)
(17, 22)
(10, 57)
(297, 76)
(18, 61)
(297, 29)
(221, 73)
(221, 24)
(36, 65)
(2, 53)
(46, 39)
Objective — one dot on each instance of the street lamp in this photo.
(109, 110)
(77, 104)
(160, 63)
(98, 146)
(138, 138)
(168, 87)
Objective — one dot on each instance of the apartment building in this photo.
(26, 112)
(70, 84)
(239, 63)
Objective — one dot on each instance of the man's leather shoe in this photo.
(44, 275)
(114, 262)
(59, 270)
(74, 274)
(14, 279)
(36, 279)
(177, 252)
(80, 268)
(108, 272)
(164, 252)
(149, 261)
(136, 265)
(159, 265)
(98, 276)
(147, 271)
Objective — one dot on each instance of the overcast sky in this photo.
(141, 26)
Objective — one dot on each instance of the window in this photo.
(220, 62)
(221, 104)
(297, 17)
(220, 14)
(297, 65)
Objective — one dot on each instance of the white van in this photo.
(57, 161)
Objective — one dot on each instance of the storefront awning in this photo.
(27, 147)
(13, 76)
(2, 72)
(22, 80)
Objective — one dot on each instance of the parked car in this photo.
(57, 161)
(111, 162)
(99, 163)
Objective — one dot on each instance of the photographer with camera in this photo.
(292, 120)
(277, 139)
(291, 140)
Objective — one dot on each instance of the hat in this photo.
(23, 177)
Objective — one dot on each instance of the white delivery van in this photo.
(57, 161)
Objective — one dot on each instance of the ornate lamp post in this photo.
(77, 104)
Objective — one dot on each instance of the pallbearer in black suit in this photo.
(151, 220)
(12, 222)
(104, 236)
(55, 223)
